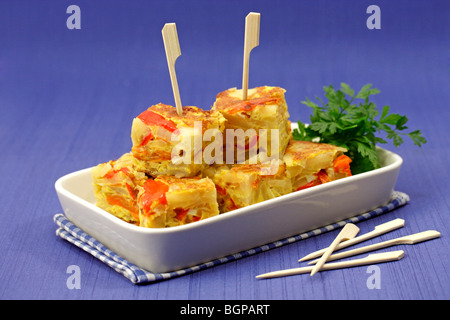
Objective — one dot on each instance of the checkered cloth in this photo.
(76, 236)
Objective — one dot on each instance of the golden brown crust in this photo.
(190, 183)
(301, 150)
(258, 168)
(189, 116)
(232, 98)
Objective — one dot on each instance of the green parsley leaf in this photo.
(343, 122)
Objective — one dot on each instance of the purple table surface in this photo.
(67, 98)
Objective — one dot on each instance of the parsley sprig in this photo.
(352, 123)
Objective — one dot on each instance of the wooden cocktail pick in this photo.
(251, 41)
(172, 47)
(348, 232)
(370, 259)
(410, 239)
(378, 230)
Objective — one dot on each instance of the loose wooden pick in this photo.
(172, 47)
(370, 259)
(378, 230)
(348, 232)
(251, 41)
(411, 239)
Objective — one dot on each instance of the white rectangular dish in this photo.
(169, 249)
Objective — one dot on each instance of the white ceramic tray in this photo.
(169, 249)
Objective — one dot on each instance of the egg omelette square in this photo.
(168, 201)
(115, 187)
(312, 163)
(158, 132)
(239, 185)
(264, 110)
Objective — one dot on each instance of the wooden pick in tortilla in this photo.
(251, 41)
(172, 47)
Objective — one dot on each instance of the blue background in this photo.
(67, 99)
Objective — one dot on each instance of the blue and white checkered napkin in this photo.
(76, 236)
